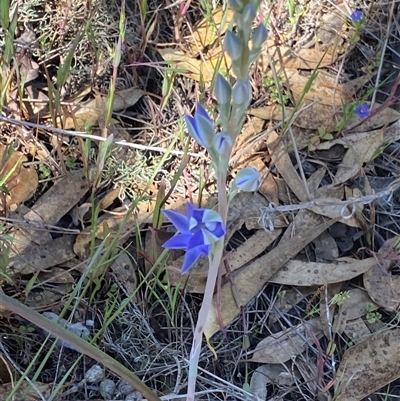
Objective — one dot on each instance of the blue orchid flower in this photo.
(362, 111)
(198, 230)
(201, 127)
(356, 15)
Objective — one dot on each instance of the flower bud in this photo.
(248, 14)
(233, 45)
(247, 179)
(236, 5)
(241, 92)
(223, 90)
(259, 36)
(223, 143)
(201, 127)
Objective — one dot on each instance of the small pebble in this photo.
(94, 374)
(125, 388)
(107, 389)
(135, 396)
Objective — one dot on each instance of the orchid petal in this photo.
(192, 255)
(197, 240)
(180, 221)
(179, 241)
(211, 216)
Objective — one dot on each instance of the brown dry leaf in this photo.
(378, 281)
(357, 305)
(25, 387)
(206, 33)
(40, 257)
(56, 275)
(368, 366)
(300, 59)
(250, 280)
(380, 119)
(357, 330)
(23, 182)
(323, 88)
(60, 198)
(191, 67)
(317, 116)
(196, 280)
(92, 111)
(281, 159)
(125, 273)
(303, 273)
(287, 344)
(362, 146)
(49, 296)
(204, 68)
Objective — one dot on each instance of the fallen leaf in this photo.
(378, 281)
(205, 33)
(45, 298)
(125, 272)
(40, 257)
(60, 198)
(357, 305)
(357, 330)
(287, 344)
(22, 182)
(303, 273)
(251, 279)
(191, 67)
(92, 111)
(204, 68)
(280, 158)
(368, 366)
(295, 59)
(244, 253)
(358, 154)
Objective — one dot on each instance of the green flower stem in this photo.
(81, 345)
(215, 263)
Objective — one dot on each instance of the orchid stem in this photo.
(215, 262)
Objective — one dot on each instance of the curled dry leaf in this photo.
(22, 182)
(92, 111)
(303, 273)
(368, 366)
(382, 287)
(287, 344)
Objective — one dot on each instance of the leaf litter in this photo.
(274, 253)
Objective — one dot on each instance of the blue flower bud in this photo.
(241, 92)
(248, 14)
(233, 45)
(247, 179)
(223, 90)
(201, 127)
(236, 5)
(259, 36)
(223, 143)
